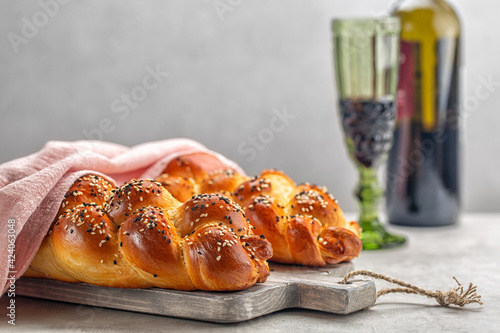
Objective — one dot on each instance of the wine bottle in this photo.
(423, 165)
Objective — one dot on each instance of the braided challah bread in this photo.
(304, 223)
(139, 236)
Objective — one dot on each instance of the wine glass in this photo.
(366, 61)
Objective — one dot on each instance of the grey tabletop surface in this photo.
(469, 251)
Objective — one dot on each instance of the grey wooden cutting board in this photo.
(287, 287)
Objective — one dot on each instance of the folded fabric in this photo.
(32, 188)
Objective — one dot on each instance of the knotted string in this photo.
(457, 295)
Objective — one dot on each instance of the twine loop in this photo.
(457, 295)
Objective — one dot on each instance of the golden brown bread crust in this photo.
(304, 223)
(89, 188)
(85, 246)
(139, 235)
(183, 175)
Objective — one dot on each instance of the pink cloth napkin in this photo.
(32, 187)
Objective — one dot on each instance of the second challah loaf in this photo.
(303, 222)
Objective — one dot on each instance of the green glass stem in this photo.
(373, 234)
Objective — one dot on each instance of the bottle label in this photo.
(409, 79)
(428, 83)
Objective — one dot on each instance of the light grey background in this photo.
(230, 63)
